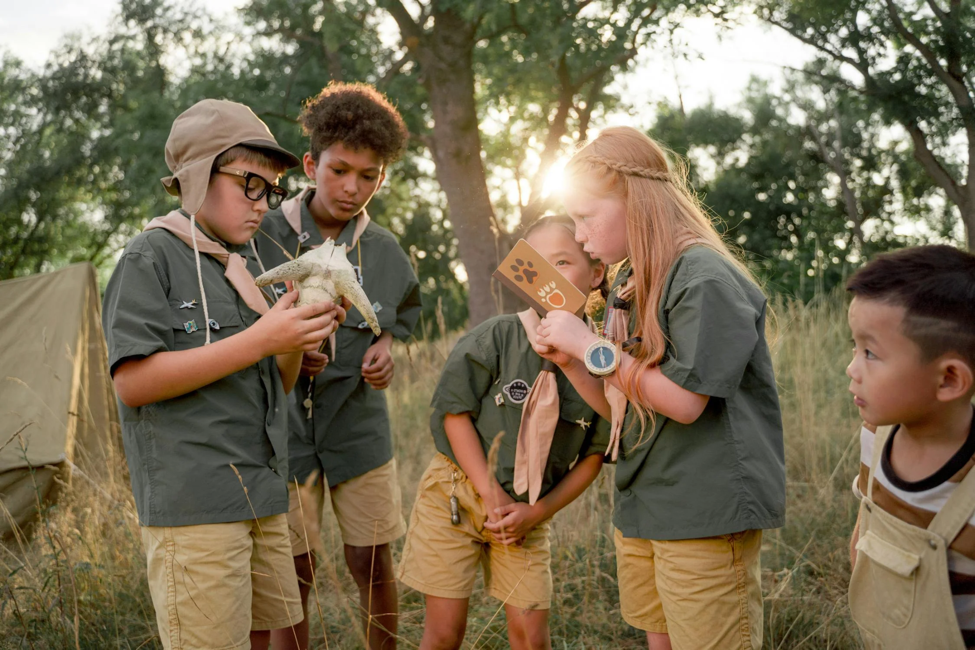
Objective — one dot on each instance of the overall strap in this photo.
(879, 441)
(957, 511)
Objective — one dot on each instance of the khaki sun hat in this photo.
(200, 134)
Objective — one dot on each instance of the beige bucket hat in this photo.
(203, 132)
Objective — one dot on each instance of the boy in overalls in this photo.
(913, 550)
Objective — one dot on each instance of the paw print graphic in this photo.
(552, 296)
(524, 272)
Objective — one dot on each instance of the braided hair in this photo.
(629, 169)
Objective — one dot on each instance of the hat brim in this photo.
(293, 160)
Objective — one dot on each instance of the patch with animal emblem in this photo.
(517, 391)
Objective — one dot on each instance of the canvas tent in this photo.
(57, 403)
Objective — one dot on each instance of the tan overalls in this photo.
(899, 593)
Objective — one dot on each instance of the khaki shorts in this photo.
(706, 593)
(369, 509)
(440, 559)
(212, 584)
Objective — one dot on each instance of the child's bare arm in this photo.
(165, 375)
(466, 445)
(518, 519)
(660, 394)
(567, 334)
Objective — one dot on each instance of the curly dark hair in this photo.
(358, 116)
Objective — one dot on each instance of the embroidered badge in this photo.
(499, 399)
(188, 304)
(190, 326)
(214, 325)
(517, 391)
(376, 307)
(363, 325)
(303, 237)
(358, 273)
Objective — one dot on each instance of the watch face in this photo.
(602, 357)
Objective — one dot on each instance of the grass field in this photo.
(80, 581)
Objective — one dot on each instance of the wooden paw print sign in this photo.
(537, 282)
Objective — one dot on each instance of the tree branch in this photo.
(955, 86)
(839, 56)
(394, 70)
(930, 162)
(408, 27)
(938, 12)
(513, 26)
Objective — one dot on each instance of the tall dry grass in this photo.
(79, 582)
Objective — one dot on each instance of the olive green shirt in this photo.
(180, 450)
(349, 433)
(488, 374)
(724, 472)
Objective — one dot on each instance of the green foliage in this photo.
(910, 62)
(776, 192)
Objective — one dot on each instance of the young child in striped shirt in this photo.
(913, 550)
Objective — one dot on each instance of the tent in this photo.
(58, 414)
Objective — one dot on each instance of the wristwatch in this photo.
(601, 358)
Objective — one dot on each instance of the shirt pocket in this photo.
(189, 325)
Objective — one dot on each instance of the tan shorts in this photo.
(212, 584)
(440, 559)
(369, 509)
(706, 593)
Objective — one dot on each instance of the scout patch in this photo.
(358, 273)
(190, 326)
(517, 391)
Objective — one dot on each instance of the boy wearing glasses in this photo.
(201, 367)
(339, 421)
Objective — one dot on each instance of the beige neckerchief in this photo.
(292, 214)
(235, 268)
(539, 417)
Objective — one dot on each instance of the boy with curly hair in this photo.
(339, 424)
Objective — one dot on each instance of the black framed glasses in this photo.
(256, 186)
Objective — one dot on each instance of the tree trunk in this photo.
(967, 212)
(447, 60)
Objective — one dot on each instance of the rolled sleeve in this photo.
(713, 332)
(466, 377)
(137, 318)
